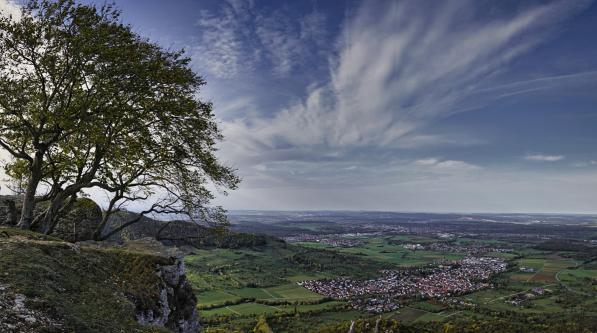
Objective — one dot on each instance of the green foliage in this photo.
(85, 102)
(88, 290)
(235, 286)
(273, 264)
(262, 326)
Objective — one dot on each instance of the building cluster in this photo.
(335, 240)
(521, 298)
(527, 269)
(413, 246)
(381, 294)
(472, 249)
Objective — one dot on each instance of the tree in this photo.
(86, 103)
(262, 326)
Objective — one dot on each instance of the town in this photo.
(382, 294)
(334, 240)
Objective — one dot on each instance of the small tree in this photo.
(262, 326)
(86, 103)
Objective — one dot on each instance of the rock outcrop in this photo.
(78, 224)
(176, 306)
(48, 285)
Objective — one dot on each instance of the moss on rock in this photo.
(77, 288)
(80, 222)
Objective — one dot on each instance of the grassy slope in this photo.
(227, 281)
(268, 266)
(272, 265)
(83, 289)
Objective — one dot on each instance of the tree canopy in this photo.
(87, 103)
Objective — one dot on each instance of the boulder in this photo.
(77, 225)
(80, 222)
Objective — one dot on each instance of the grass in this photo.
(391, 251)
(318, 262)
(293, 292)
(579, 280)
(409, 314)
(84, 288)
(252, 308)
(428, 306)
(272, 265)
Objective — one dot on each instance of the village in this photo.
(334, 240)
(383, 294)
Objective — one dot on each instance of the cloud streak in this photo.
(238, 39)
(367, 122)
(544, 158)
(399, 67)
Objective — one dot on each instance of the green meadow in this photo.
(235, 286)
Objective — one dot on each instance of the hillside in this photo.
(48, 285)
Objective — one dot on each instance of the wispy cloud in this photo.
(415, 141)
(447, 165)
(238, 39)
(427, 161)
(223, 50)
(544, 158)
(396, 69)
(400, 66)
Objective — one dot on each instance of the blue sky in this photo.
(468, 106)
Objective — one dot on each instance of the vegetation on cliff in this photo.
(48, 285)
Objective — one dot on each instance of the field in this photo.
(236, 286)
(545, 268)
(390, 250)
(241, 284)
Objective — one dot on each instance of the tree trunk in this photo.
(29, 196)
(51, 215)
(97, 234)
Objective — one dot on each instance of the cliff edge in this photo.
(48, 285)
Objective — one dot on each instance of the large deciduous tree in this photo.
(87, 103)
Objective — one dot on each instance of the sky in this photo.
(434, 106)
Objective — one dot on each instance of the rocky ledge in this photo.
(48, 285)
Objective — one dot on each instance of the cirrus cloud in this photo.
(400, 66)
(544, 158)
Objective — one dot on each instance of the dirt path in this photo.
(232, 310)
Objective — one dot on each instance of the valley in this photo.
(319, 275)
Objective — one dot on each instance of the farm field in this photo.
(236, 286)
(390, 250)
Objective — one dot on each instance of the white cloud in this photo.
(400, 66)
(286, 44)
(492, 191)
(222, 50)
(451, 165)
(544, 158)
(427, 161)
(8, 7)
(396, 69)
(239, 38)
(415, 141)
(447, 165)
